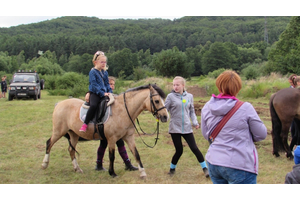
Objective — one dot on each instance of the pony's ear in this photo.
(150, 87)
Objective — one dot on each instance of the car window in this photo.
(30, 78)
(18, 78)
(24, 78)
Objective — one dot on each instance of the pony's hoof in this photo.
(143, 174)
(276, 155)
(44, 165)
(78, 170)
(143, 177)
(113, 175)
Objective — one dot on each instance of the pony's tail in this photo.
(276, 127)
(80, 138)
(68, 137)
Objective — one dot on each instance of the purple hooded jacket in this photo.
(234, 146)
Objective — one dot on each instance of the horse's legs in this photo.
(111, 170)
(276, 128)
(49, 144)
(73, 142)
(131, 144)
(284, 136)
(47, 155)
(274, 140)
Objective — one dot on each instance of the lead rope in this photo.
(157, 127)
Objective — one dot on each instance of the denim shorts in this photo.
(226, 175)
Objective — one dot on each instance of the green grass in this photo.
(26, 125)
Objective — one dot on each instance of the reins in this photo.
(153, 112)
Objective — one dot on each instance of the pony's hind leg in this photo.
(49, 144)
(47, 155)
(72, 144)
(284, 136)
(274, 140)
(276, 128)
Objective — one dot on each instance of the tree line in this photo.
(79, 35)
(195, 61)
(189, 46)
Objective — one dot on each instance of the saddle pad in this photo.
(83, 111)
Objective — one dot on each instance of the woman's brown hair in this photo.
(229, 83)
(293, 78)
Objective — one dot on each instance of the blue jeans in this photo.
(226, 175)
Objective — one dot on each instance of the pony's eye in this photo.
(157, 101)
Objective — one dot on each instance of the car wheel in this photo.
(35, 97)
(39, 96)
(10, 97)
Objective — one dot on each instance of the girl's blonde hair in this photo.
(100, 54)
(229, 83)
(183, 81)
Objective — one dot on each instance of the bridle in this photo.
(154, 112)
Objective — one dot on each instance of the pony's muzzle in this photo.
(164, 118)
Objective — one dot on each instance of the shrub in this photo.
(251, 72)
(216, 73)
(69, 84)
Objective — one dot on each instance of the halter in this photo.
(154, 113)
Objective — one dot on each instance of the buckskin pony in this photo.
(284, 108)
(119, 125)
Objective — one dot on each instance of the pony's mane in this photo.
(158, 89)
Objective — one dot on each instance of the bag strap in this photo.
(222, 123)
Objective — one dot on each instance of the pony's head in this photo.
(157, 106)
(155, 101)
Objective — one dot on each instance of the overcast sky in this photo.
(14, 13)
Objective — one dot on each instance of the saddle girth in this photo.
(98, 122)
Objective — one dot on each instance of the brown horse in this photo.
(119, 125)
(284, 108)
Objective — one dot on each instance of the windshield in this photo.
(24, 78)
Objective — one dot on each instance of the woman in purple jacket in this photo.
(232, 157)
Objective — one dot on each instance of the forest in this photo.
(140, 48)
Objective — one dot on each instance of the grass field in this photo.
(26, 125)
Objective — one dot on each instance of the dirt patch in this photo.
(196, 91)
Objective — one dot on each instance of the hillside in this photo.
(81, 35)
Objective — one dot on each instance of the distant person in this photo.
(98, 86)
(181, 107)
(293, 177)
(291, 80)
(232, 156)
(103, 143)
(3, 87)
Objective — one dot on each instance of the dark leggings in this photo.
(189, 138)
(94, 101)
(121, 149)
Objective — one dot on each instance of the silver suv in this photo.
(25, 85)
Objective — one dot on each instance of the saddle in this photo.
(101, 116)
